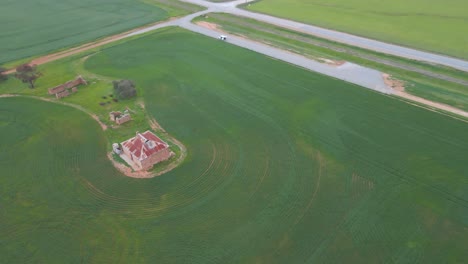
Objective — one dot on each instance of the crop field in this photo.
(33, 27)
(431, 25)
(283, 166)
(432, 82)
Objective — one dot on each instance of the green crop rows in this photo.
(432, 25)
(32, 28)
(283, 166)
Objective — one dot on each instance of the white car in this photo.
(222, 37)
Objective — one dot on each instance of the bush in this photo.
(124, 89)
(3, 77)
(27, 74)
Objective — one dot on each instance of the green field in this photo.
(33, 28)
(283, 166)
(433, 82)
(432, 25)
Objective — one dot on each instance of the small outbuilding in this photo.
(116, 148)
(120, 118)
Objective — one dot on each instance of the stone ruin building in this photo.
(119, 118)
(67, 88)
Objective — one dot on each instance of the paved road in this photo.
(230, 7)
(348, 72)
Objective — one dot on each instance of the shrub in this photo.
(124, 89)
(28, 74)
(3, 77)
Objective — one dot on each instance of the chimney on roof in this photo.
(150, 144)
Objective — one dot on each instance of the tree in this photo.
(27, 74)
(124, 89)
(3, 77)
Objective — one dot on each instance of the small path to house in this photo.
(127, 171)
(94, 116)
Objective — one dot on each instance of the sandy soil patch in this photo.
(399, 89)
(332, 62)
(396, 85)
(208, 25)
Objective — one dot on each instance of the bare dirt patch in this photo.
(393, 83)
(332, 62)
(399, 90)
(208, 25)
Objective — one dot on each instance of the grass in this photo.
(283, 165)
(432, 82)
(430, 25)
(37, 32)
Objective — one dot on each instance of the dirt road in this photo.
(349, 72)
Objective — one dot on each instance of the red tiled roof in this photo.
(144, 145)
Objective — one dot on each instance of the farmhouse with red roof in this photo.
(145, 150)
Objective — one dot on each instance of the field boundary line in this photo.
(90, 45)
(120, 167)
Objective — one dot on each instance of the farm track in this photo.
(348, 72)
(88, 46)
(277, 167)
(153, 123)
